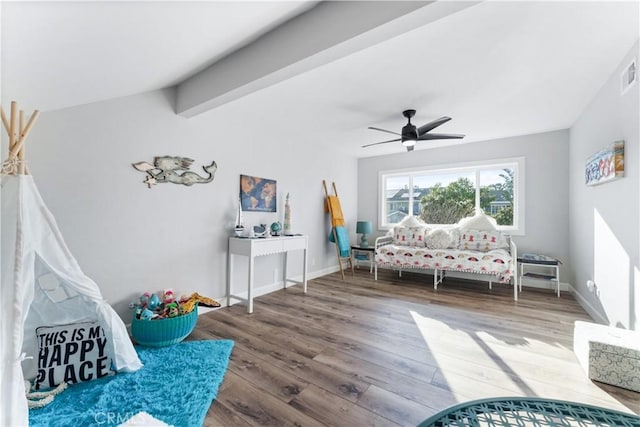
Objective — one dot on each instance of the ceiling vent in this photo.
(629, 76)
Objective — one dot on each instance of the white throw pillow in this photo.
(454, 234)
(71, 353)
(412, 221)
(479, 221)
(438, 239)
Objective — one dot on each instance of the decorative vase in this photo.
(239, 228)
(287, 216)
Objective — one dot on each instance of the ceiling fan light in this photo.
(409, 142)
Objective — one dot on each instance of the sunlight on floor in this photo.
(474, 364)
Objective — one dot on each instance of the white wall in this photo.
(546, 185)
(132, 239)
(605, 230)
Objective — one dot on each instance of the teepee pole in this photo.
(20, 143)
(5, 122)
(18, 132)
(21, 166)
(12, 127)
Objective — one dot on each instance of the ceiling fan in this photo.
(410, 134)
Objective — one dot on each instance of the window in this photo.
(445, 194)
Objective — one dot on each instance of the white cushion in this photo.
(479, 221)
(440, 238)
(411, 221)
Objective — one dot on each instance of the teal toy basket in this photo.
(162, 332)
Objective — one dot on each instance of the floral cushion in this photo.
(480, 240)
(409, 236)
(496, 262)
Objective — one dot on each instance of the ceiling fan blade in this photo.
(382, 142)
(410, 147)
(383, 130)
(432, 125)
(430, 136)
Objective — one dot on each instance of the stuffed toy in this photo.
(188, 303)
(154, 302)
(168, 297)
(144, 299)
(146, 314)
(38, 399)
(172, 309)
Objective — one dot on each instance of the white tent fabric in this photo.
(42, 285)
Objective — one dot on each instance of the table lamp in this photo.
(364, 228)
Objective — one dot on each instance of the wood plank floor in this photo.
(392, 352)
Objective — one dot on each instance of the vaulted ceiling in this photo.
(498, 68)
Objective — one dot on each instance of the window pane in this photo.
(446, 195)
(396, 195)
(446, 198)
(496, 194)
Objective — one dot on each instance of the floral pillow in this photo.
(481, 240)
(409, 236)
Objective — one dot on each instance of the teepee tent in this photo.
(42, 283)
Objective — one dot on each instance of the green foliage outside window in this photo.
(448, 205)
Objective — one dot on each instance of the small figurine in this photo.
(260, 230)
(146, 314)
(144, 299)
(154, 302)
(172, 309)
(168, 297)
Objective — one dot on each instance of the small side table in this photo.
(544, 268)
(359, 253)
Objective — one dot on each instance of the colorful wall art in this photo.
(606, 165)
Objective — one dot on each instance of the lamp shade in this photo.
(364, 227)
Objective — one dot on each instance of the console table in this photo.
(252, 248)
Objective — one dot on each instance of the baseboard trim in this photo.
(276, 286)
(591, 311)
(546, 285)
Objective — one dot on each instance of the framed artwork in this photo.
(606, 165)
(257, 194)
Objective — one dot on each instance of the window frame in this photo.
(516, 163)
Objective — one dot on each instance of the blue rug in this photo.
(176, 385)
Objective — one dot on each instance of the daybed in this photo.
(474, 245)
